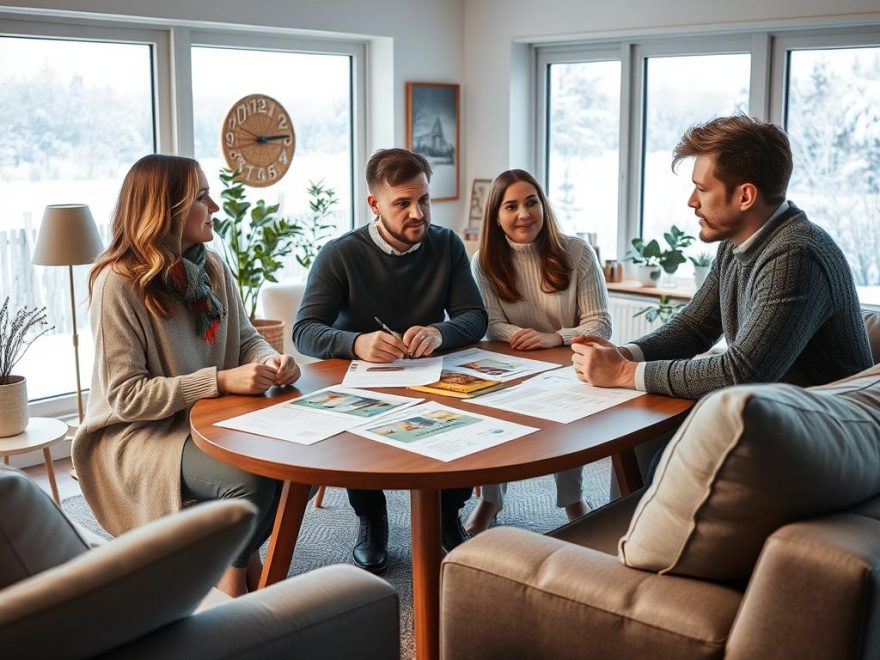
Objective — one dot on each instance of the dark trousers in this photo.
(372, 502)
(203, 478)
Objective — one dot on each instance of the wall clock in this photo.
(258, 140)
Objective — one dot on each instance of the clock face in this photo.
(258, 140)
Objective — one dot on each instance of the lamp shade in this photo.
(68, 237)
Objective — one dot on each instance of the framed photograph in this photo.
(479, 192)
(432, 130)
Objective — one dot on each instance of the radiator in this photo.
(624, 325)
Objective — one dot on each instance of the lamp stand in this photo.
(79, 400)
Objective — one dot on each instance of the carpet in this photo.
(327, 534)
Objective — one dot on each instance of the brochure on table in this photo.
(558, 396)
(437, 431)
(400, 373)
(318, 415)
(494, 366)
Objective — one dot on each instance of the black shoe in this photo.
(371, 550)
(452, 531)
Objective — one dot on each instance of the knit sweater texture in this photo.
(580, 309)
(148, 373)
(787, 307)
(352, 282)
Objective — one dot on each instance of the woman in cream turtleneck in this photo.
(541, 289)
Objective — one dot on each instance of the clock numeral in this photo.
(273, 173)
(242, 113)
(230, 138)
(282, 157)
(261, 174)
(232, 123)
(272, 110)
(282, 120)
(261, 105)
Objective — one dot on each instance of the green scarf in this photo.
(188, 279)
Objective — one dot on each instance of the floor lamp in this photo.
(68, 237)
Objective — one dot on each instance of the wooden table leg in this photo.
(626, 469)
(426, 556)
(50, 469)
(291, 509)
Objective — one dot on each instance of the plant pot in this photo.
(13, 406)
(700, 274)
(272, 331)
(648, 276)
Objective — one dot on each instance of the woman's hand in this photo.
(527, 339)
(246, 379)
(286, 369)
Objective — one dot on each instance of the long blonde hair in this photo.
(154, 204)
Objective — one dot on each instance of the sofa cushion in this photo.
(117, 592)
(34, 534)
(748, 460)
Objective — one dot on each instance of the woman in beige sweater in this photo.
(169, 329)
(541, 289)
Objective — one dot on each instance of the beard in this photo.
(401, 235)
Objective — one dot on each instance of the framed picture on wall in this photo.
(432, 130)
(479, 192)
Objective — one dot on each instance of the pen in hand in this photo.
(390, 332)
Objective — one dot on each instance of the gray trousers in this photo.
(203, 478)
(569, 489)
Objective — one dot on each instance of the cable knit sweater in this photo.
(787, 307)
(581, 309)
(148, 373)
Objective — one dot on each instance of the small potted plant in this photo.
(663, 310)
(17, 332)
(702, 265)
(652, 261)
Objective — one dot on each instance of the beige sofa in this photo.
(758, 538)
(143, 594)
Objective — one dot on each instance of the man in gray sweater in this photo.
(780, 290)
(409, 276)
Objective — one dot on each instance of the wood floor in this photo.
(67, 485)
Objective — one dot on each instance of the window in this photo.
(822, 85)
(75, 115)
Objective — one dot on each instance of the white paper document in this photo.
(494, 366)
(319, 415)
(558, 396)
(400, 373)
(437, 431)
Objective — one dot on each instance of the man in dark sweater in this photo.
(780, 290)
(410, 275)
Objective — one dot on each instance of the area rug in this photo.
(327, 534)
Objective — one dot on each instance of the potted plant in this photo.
(651, 260)
(254, 248)
(702, 265)
(17, 332)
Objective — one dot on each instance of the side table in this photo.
(41, 433)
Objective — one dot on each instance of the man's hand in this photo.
(527, 339)
(600, 363)
(379, 346)
(422, 340)
(246, 379)
(286, 369)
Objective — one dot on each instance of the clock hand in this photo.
(263, 139)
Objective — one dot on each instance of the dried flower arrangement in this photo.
(17, 334)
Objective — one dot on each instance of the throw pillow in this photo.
(748, 460)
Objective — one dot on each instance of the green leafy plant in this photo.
(318, 226)
(17, 332)
(663, 310)
(702, 260)
(651, 254)
(252, 246)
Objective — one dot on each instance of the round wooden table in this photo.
(41, 433)
(350, 461)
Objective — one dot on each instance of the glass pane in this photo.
(833, 122)
(314, 89)
(583, 131)
(681, 92)
(74, 116)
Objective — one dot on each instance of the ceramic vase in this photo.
(648, 276)
(13, 406)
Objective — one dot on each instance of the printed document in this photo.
(319, 415)
(556, 395)
(437, 431)
(493, 366)
(400, 373)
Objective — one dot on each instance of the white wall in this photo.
(423, 42)
(497, 56)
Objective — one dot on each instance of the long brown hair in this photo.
(495, 253)
(147, 226)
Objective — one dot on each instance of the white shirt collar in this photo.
(746, 244)
(384, 245)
